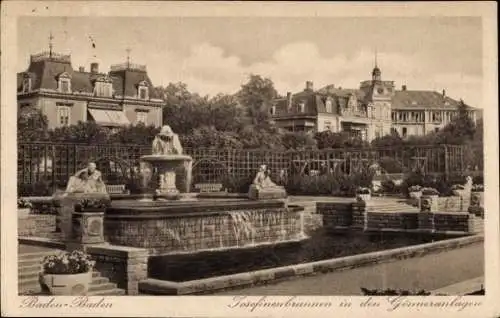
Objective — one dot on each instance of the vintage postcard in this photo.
(249, 159)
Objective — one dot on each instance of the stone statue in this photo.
(167, 142)
(264, 188)
(262, 179)
(88, 180)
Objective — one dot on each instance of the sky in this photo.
(216, 55)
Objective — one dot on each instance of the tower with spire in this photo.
(376, 73)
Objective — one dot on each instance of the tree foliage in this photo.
(256, 97)
(32, 125)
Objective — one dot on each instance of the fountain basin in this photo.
(166, 166)
(187, 227)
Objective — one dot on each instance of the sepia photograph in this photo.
(250, 156)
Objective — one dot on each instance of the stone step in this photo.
(108, 292)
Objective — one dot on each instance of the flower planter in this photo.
(23, 213)
(363, 197)
(67, 285)
(415, 197)
(428, 203)
(477, 198)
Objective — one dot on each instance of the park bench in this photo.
(208, 187)
(116, 189)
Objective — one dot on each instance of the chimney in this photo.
(330, 89)
(309, 86)
(444, 93)
(403, 88)
(94, 67)
(289, 99)
(81, 69)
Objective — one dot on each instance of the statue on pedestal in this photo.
(88, 180)
(167, 142)
(264, 188)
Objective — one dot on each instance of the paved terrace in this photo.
(430, 272)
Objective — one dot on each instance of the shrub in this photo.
(38, 189)
(67, 263)
(362, 190)
(478, 179)
(415, 188)
(24, 204)
(389, 186)
(391, 165)
(478, 188)
(430, 191)
(237, 184)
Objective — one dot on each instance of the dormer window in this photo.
(302, 107)
(64, 84)
(103, 87)
(143, 91)
(26, 85)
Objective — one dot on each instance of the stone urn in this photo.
(363, 195)
(66, 284)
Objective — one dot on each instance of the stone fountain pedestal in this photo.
(166, 166)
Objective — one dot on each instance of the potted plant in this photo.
(23, 208)
(363, 194)
(92, 205)
(477, 195)
(68, 273)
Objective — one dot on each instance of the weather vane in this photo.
(51, 37)
(128, 56)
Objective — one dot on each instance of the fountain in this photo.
(167, 220)
(166, 158)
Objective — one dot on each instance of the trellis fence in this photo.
(54, 163)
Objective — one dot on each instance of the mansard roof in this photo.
(45, 71)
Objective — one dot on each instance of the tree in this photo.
(298, 140)
(330, 140)
(460, 130)
(139, 134)
(32, 125)
(224, 114)
(184, 111)
(257, 96)
(391, 140)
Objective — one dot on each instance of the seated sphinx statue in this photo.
(88, 180)
(264, 188)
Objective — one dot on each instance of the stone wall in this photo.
(335, 214)
(453, 204)
(36, 225)
(184, 232)
(392, 220)
(358, 215)
(124, 266)
(450, 221)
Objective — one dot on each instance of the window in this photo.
(143, 91)
(302, 107)
(273, 110)
(328, 106)
(27, 85)
(142, 117)
(404, 131)
(63, 113)
(103, 89)
(436, 129)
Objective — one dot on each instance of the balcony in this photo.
(128, 66)
(50, 56)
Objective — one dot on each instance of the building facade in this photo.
(122, 96)
(373, 110)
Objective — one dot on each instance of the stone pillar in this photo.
(123, 265)
(167, 188)
(82, 218)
